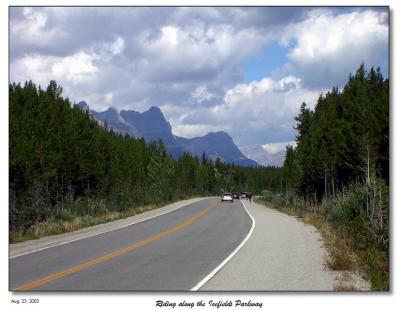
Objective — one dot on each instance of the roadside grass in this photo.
(69, 223)
(343, 254)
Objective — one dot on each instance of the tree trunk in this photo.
(367, 164)
(315, 197)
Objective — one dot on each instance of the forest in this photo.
(344, 139)
(64, 164)
(340, 167)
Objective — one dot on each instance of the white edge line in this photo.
(103, 232)
(226, 260)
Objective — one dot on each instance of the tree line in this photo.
(339, 170)
(345, 139)
(62, 161)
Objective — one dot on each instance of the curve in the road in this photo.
(172, 252)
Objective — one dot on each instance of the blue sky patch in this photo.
(272, 57)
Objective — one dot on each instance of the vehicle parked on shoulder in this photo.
(235, 195)
(226, 197)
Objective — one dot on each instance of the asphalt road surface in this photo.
(173, 251)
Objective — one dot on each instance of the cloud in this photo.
(201, 94)
(196, 53)
(190, 60)
(253, 112)
(74, 69)
(328, 47)
(274, 148)
(32, 29)
(191, 131)
(117, 46)
(148, 55)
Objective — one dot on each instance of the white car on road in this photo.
(226, 197)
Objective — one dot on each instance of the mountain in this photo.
(152, 126)
(264, 157)
(83, 106)
(116, 121)
(216, 144)
(112, 118)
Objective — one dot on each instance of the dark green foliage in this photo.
(64, 164)
(341, 165)
(344, 140)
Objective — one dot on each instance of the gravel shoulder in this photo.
(282, 254)
(34, 245)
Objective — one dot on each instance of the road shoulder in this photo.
(282, 254)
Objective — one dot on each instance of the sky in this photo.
(242, 70)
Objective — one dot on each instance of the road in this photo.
(170, 252)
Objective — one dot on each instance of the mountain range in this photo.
(263, 156)
(152, 126)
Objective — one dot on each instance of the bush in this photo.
(376, 206)
(267, 195)
(64, 215)
(348, 205)
(364, 209)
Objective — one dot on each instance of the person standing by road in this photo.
(250, 197)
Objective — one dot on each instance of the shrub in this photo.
(348, 205)
(364, 209)
(267, 195)
(355, 226)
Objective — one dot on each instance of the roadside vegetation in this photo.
(350, 244)
(337, 177)
(66, 171)
(65, 221)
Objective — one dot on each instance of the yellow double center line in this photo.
(102, 259)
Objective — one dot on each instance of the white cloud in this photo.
(117, 46)
(33, 28)
(195, 53)
(169, 36)
(201, 94)
(273, 148)
(191, 131)
(259, 110)
(328, 47)
(75, 69)
(108, 99)
(325, 35)
(189, 61)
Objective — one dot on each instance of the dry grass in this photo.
(55, 227)
(341, 255)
